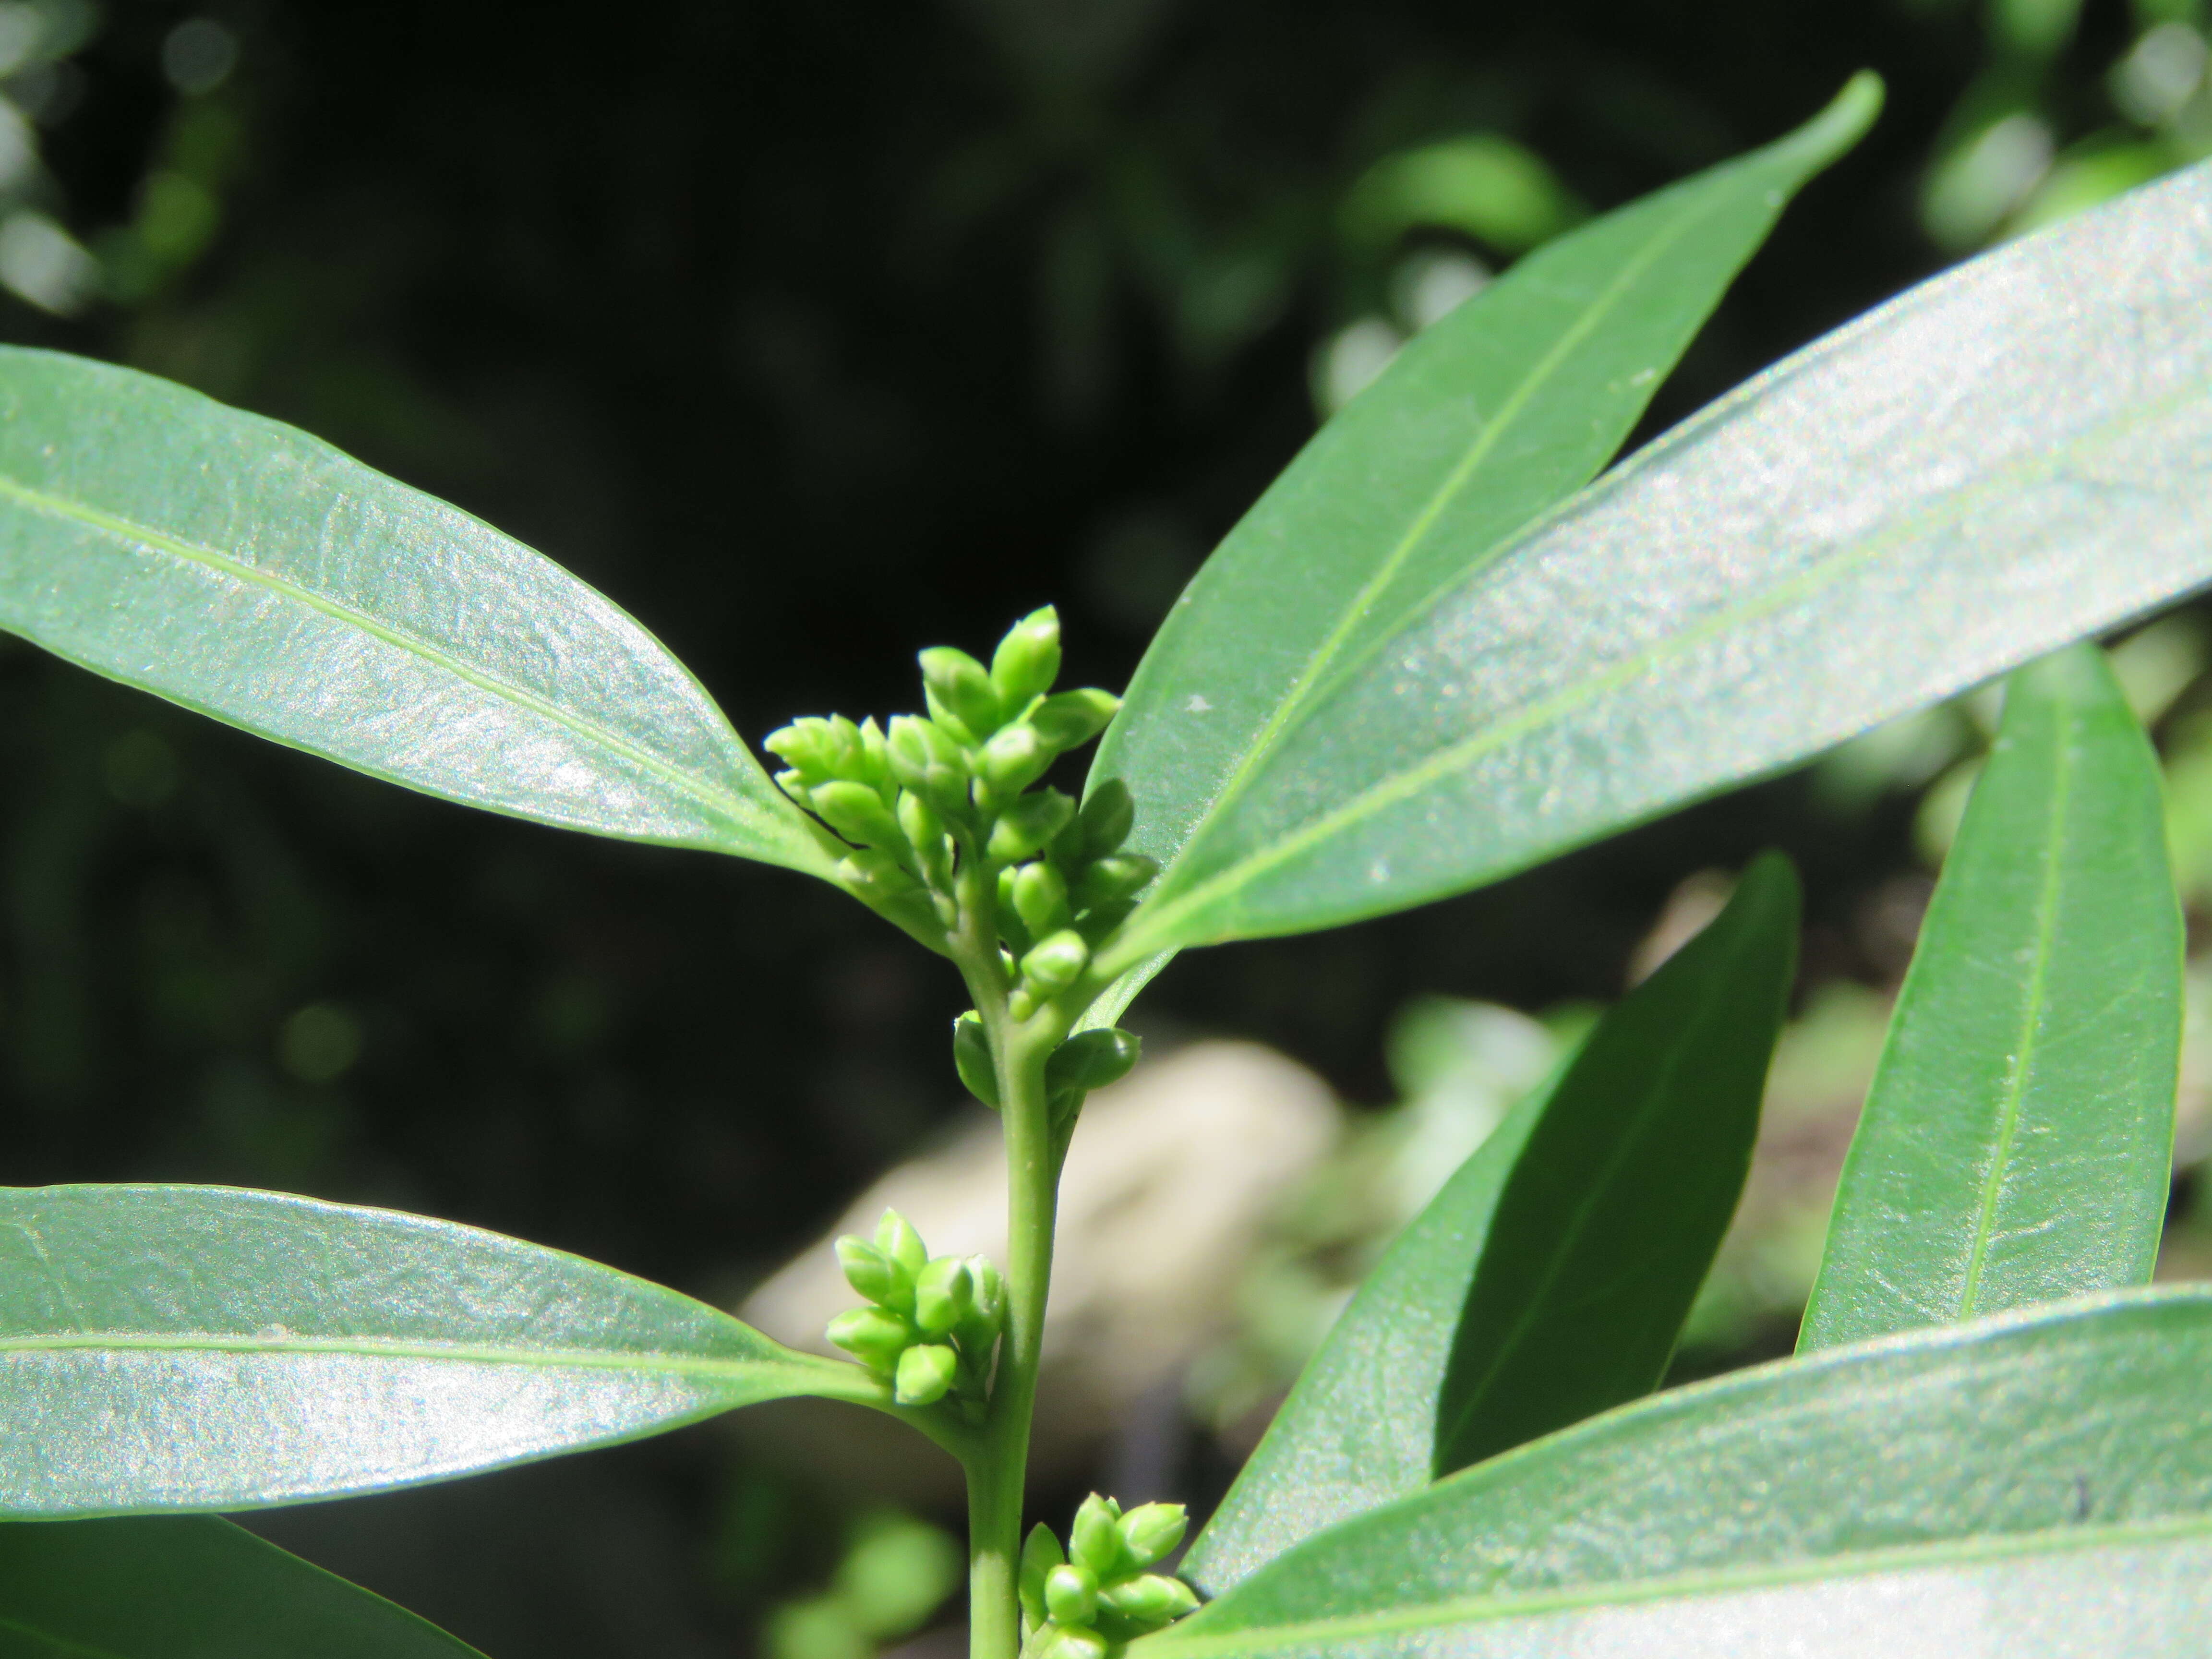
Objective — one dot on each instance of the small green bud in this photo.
(806, 746)
(857, 812)
(1094, 1540)
(924, 1374)
(874, 1274)
(925, 759)
(1027, 660)
(1028, 823)
(1111, 880)
(844, 749)
(873, 1336)
(924, 832)
(1150, 1531)
(1057, 962)
(1148, 1603)
(897, 1238)
(1108, 816)
(986, 1314)
(1011, 927)
(1091, 1060)
(1015, 758)
(963, 686)
(1039, 897)
(1064, 1643)
(874, 765)
(942, 1295)
(1071, 1594)
(971, 1057)
(795, 787)
(1073, 718)
(1041, 1553)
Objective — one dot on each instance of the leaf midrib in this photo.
(1849, 1564)
(1309, 677)
(728, 805)
(818, 1373)
(1148, 933)
(2013, 1100)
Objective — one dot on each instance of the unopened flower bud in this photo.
(925, 833)
(1057, 962)
(1071, 1594)
(897, 1238)
(1039, 898)
(987, 1313)
(925, 759)
(1151, 1602)
(1028, 823)
(1015, 758)
(1094, 1540)
(845, 751)
(1076, 1643)
(942, 1295)
(873, 1336)
(962, 685)
(873, 766)
(794, 785)
(1108, 816)
(1073, 718)
(1117, 877)
(971, 1057)
(1027, 660)
(805, 746)
(874, 1274)
(1041, 1553)
(1150, 1531)
(924, 1374)
(856, 812)
(1091, 1060)
(1011, 928)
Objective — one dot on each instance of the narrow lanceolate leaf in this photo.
(2033, 1484)
(243, 569)
(189, 1587)
(1485, 422)
(2005, 459)
(2018, 1141)
(1549, 1279)
(197, 1347)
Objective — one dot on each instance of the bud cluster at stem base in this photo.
(1100, 1590)
(930, 1324)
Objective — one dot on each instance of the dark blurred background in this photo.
(816, 333)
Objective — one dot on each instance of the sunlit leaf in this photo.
(2002, 460)
(245, 569)
(2018, 1141)
(189, 1587)
(199, 1347)
(1549, 1279)
(1485, 422)
(2033, 1484)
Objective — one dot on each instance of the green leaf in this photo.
(2032, 1484)
(2007, 459)
(245, 569)
(189, 1587)
(2018, 1142)
(1549, 1279)
(1483, 423)
(203, 1347)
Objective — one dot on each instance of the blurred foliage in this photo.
(812, 333)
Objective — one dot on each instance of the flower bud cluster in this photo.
(935, 796)
(1102, 1590)
(931, 1323)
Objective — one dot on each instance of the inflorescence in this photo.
(931, 1324)
(1102, 1590)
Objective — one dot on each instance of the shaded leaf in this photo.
(189, 1587)
(1483, 423)
(2018, 1141)
(2037, 1484)
(241, 567)
(2005, 459)
(200, 1347)
(1549, 1279)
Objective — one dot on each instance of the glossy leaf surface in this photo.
(2018, 1141)
(189, 1587)
(242, 568)
(1484, 421)
(2035, 1483)
(1549, 1279)
(2004, 460)
(193, 1347)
